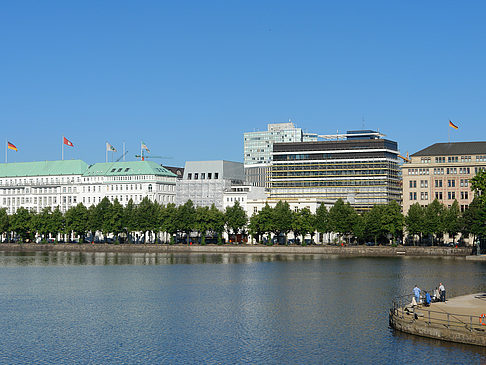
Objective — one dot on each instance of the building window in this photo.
(216, 176)
(209, 175)
(196, 176)
(413, 183)
(438, 183)
(150, 188)
(203, 176)
(438, 195)
(451, 183)
(189, 176)
(424, 183)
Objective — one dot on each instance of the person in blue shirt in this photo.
(416, 293)
(428, 299)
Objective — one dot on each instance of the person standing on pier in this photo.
(442, 292)
(416, 293)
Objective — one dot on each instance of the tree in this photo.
(478, 185)
(342, 218)
(203, 221)
(414, 221)
(99, 217)
(474, 219)
(434, 220)
(282, 219)
(322, 219)
(77, 220)
(4, 222)
(168, 219)
(22, 223)
(452, 221)
(186, 217)
(146, 217)
(115, 219)
(41, 222)
(303, 223)
(128, 219)
(235, 218)
(392, 220)
(58, 222)
(216, 221)
(372, 220)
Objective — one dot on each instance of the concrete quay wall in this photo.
(472, 335)
(364, 251)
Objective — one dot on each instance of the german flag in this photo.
(11, 146)
(453, 125)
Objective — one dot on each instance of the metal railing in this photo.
(403, 309)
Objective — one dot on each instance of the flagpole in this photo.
(62, 148)
(6, 149)
(106, 152)
(123, 151)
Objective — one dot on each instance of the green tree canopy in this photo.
(415, 220)
(22, 223)
(235, 217)
(342, 218)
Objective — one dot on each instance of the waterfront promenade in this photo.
(365, 251)
(457, 320)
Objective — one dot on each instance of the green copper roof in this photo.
(124, 168)
(43, 168)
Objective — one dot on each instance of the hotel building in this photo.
(359, 166)
(63, 184)
(442, 171)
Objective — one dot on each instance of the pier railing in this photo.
(403, 309)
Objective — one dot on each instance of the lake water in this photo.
(159, 308)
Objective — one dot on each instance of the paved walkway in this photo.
(456, 312)
(473, 304)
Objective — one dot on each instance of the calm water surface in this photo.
(159, 308)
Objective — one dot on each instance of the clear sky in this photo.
(189, 77)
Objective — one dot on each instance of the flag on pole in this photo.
(11, 146)
(68, 142)
(144, 146)
(453, 125)
(109, 147)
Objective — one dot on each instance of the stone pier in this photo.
(460, 319)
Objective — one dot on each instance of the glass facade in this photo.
(364, 172)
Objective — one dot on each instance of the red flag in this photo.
(68, 142)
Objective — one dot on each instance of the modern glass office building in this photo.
(258, 148)
(360, 166)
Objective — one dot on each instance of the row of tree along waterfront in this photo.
(152, 222)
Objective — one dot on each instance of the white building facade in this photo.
(63, 184)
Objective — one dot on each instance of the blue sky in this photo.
(189, 77)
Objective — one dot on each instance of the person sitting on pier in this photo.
(427, 299)
(436, 296)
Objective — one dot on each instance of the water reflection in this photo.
(50, 258)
